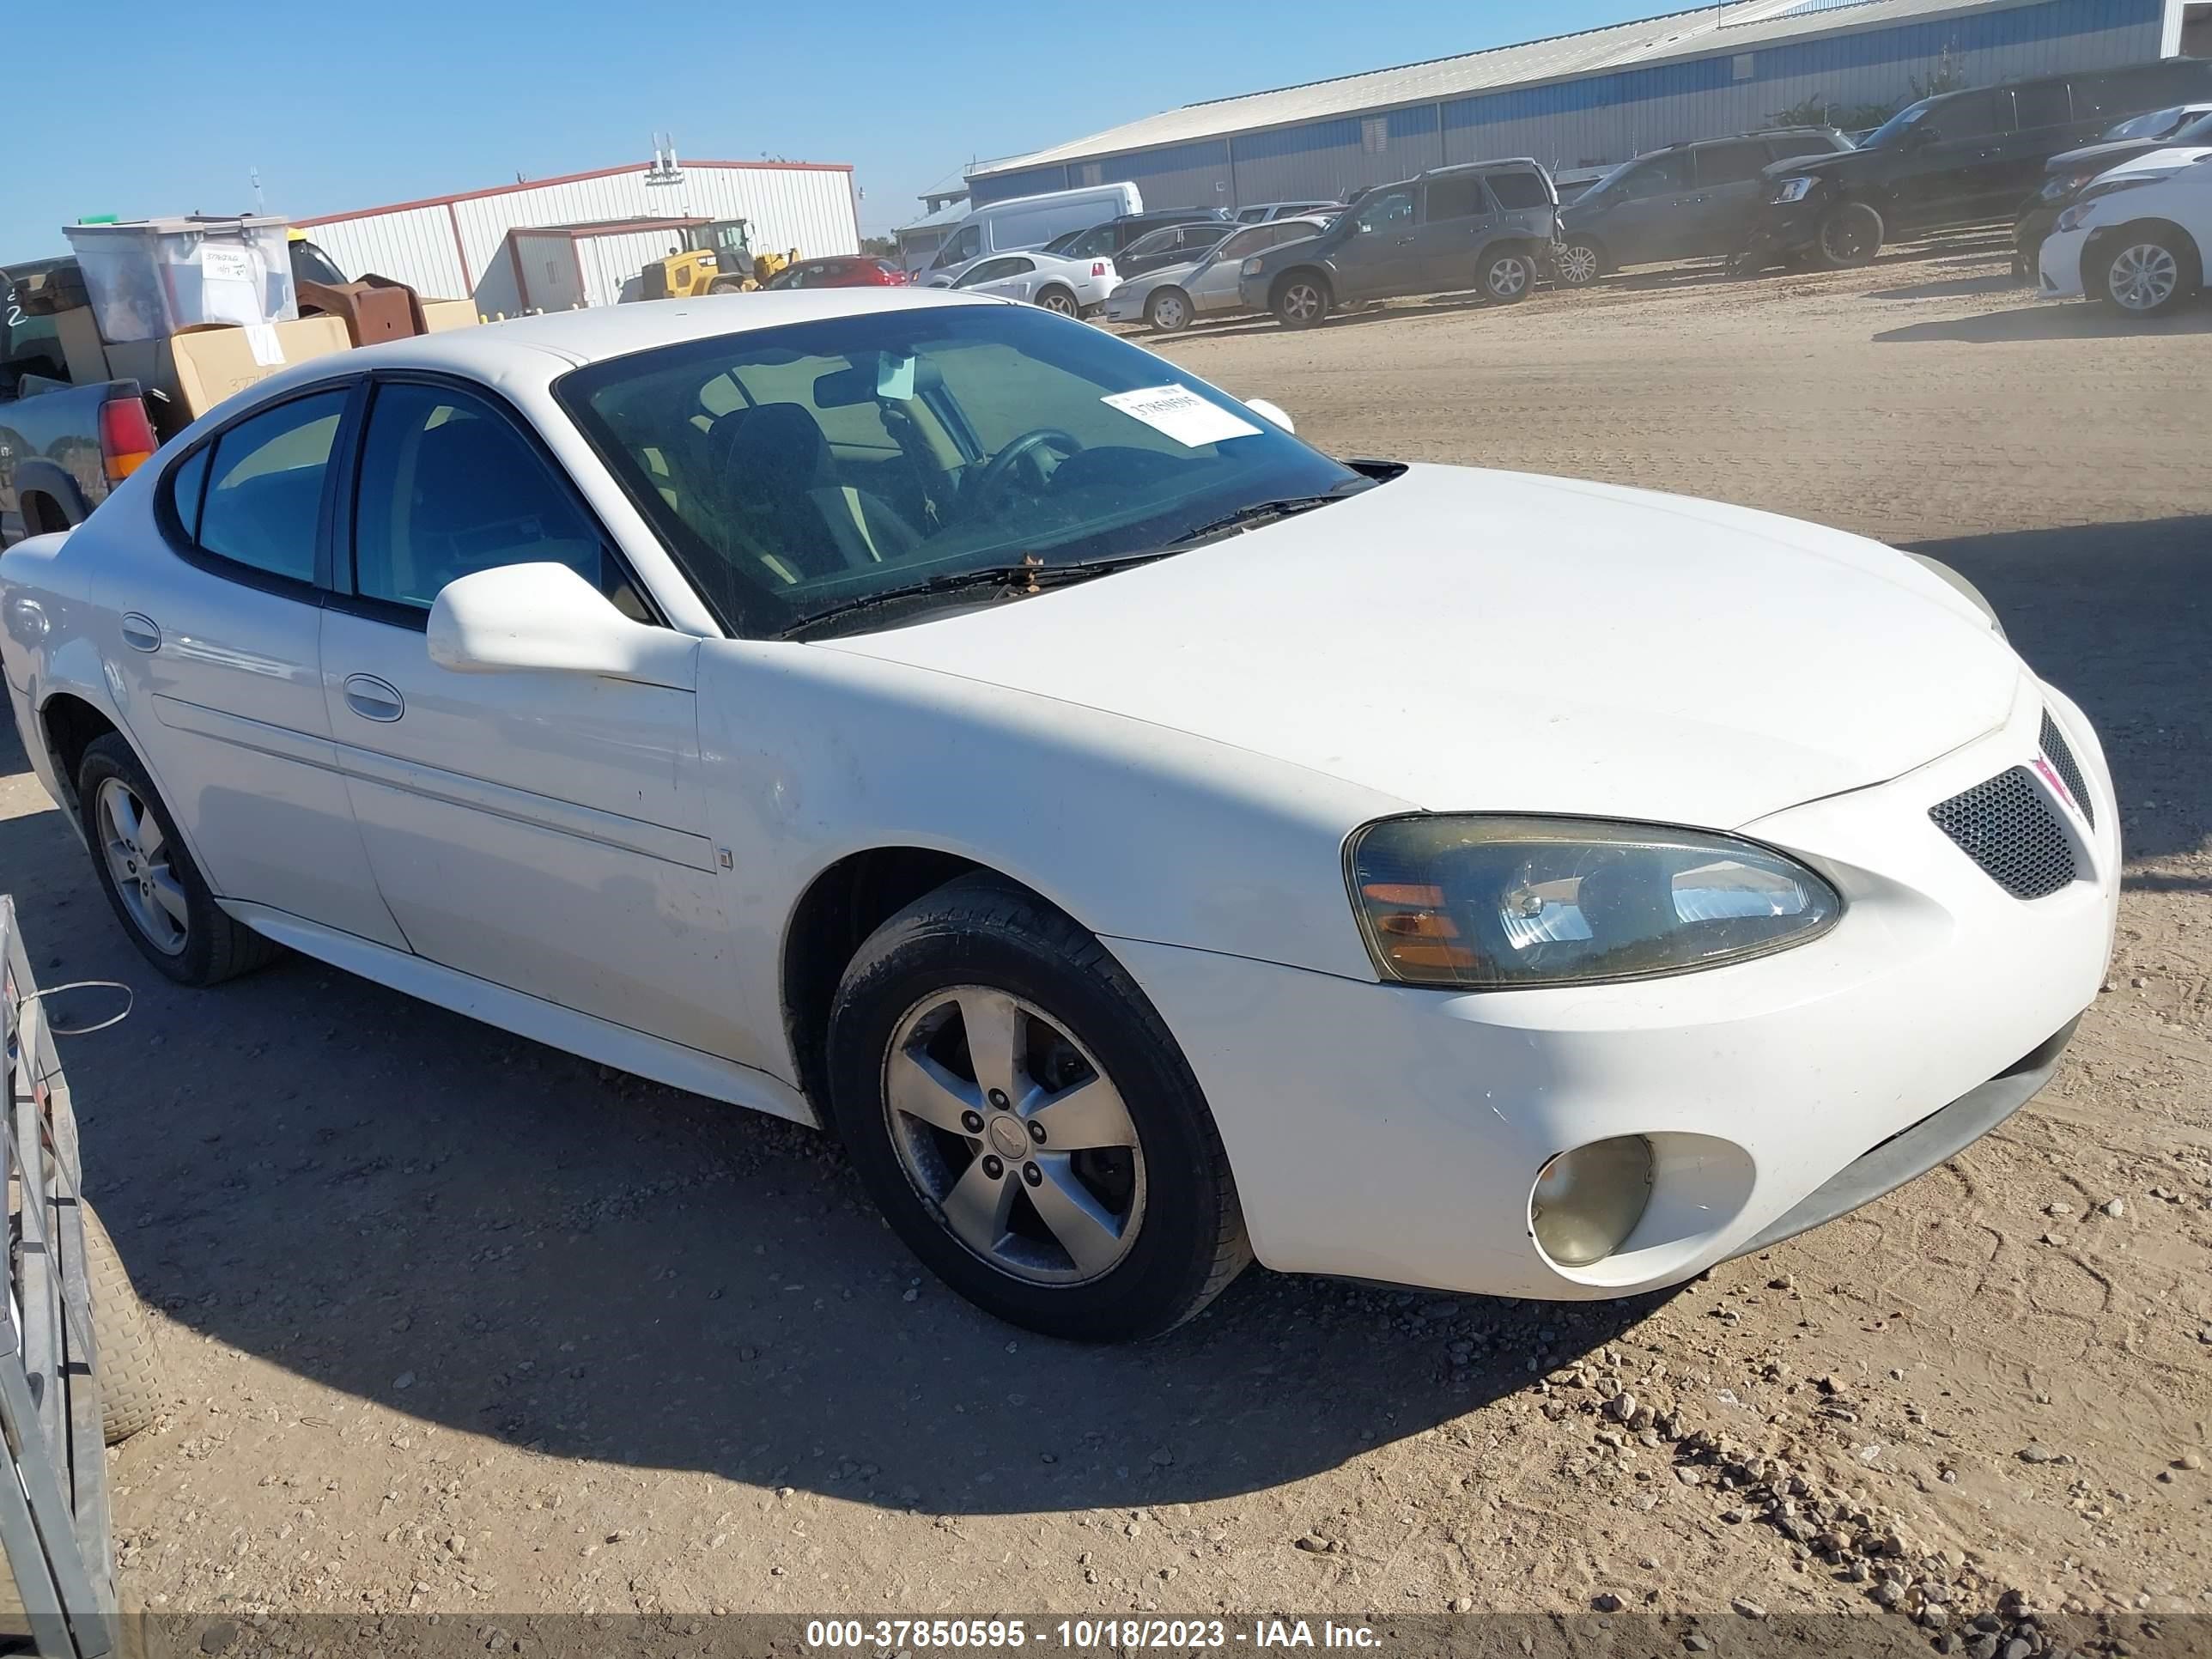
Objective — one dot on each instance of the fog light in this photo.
(1588, 1199)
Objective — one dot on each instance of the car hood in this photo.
(1144, 281)
(1820, 162)
(1459, 639)
(2153, 162)
(2103, 155)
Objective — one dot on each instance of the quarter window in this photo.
(264, 487)
(449, 488)
(1516, 191)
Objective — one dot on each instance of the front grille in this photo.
(2070, 771)
(2010, 828)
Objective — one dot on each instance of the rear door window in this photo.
(1970, 115)
(264, 501)
(1458, 197)
(1732, 163)
(2042, 104)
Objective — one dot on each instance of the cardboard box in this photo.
(197, 369)
(439, 315)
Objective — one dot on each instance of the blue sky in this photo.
(410, 98)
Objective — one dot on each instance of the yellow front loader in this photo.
(715, 259)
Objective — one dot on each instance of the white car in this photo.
(1148, 843)
(1173, 297)
(1074, 288)
(2137, 238)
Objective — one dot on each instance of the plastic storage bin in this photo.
(150, 278)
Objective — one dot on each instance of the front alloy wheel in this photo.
(1168, 310)
(1851, 235)
(1302, 302)
(1578, 262)
(1019, 1111)
(1007, 1125)
(2146, 278)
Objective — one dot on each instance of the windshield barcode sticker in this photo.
(1181, 414)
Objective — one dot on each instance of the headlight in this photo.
(2086, 209)
(1505, 903)
(1251, 268)
(1794, 190)
(2064, 185)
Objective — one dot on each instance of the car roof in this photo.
(1479, 167)
(545, 347)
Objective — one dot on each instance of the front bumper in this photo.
(1125, 304)
(1386, 1132)
(1787, 227)
(2029, 232)
(2058, 265)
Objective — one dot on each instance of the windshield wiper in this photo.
(1022, 580)
(1254, 513)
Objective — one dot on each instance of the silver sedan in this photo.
(1174, 296)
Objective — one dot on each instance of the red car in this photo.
(848, 271)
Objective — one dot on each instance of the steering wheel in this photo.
(990, 483)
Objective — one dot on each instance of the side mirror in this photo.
(545, 618)
(1270, 411)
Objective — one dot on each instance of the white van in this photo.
(1026, 222)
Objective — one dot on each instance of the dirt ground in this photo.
(461, 1323)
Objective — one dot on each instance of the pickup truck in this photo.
(62, 447)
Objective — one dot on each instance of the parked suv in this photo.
(1953, 159)
(1684, 202)
(2184, 127)
(1486, 225)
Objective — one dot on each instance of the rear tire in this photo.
(1059, 299)
(962, 1029)
(131, 1392)
(1168, 310)
(1851, 236)
(147, 872)
(1303, 300)
(2146, 272)
(1508, 278)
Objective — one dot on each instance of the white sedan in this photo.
(2137, 238)
(1148, 843)
(1174, 297)
(1074, 288)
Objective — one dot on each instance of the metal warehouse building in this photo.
(449, 247)
(1585, 100)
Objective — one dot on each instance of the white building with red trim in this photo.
(452, 247)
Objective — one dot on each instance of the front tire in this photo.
(1508, 278)
(1578, 262)
(1168, 310)
(154, 887)
(1019, 1112)
(1851, 235)
(1303, 300)
(2147, 272)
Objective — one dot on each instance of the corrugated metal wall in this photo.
(811, 209)
(415, 245)
(1612, 116)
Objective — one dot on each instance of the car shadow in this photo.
(1949, 288)
(469, 1229)
(2045, 320)
(2112, 614)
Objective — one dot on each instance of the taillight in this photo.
(126, 437)
(1098, 267)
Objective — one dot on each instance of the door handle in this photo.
(374, 699)
(139, 632)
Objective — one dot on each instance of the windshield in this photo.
(1894, 128)
(2154, 124)
(793, 471)
(2198, 132)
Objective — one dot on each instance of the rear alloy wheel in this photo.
(1301, 301)
(149, 875)
(1507, 278)
(1578, 263)
(1019, 1113)
(2148, 274)
(1059, 299)
(1851, 235)
(1168, 310)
